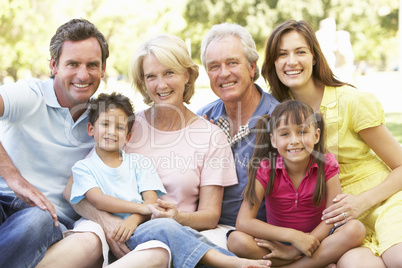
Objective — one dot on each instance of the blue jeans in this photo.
(186, 244)
(25, 233)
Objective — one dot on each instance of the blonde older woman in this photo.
(191, 156)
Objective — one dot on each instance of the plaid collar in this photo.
(242, 133)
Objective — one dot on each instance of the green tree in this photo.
(372, 33)
(23, 27)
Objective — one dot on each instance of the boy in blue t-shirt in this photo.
(112, 181)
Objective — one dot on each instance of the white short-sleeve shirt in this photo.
(42, 139)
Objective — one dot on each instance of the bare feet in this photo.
(246, 263)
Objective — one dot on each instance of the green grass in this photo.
(394, 124)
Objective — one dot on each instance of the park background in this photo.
(26, 27)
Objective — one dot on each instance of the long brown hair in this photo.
(321, 70)
(294, 112)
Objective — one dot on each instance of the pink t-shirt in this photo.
(291, 208)
(195, 156)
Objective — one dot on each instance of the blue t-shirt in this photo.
(135, 175)
(242, 152)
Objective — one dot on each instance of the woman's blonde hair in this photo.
(172, 53)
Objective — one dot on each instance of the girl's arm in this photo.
(248, 223)
(333, 188)
(207, 215)
(112, 204)
(389, 150)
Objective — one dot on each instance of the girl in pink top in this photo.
(289, 168)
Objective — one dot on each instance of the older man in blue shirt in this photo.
(229, 55)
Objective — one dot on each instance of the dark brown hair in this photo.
(76, 30)
(105, 102)
(294, 112)
(321, 70)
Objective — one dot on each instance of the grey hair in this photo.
(219, 31)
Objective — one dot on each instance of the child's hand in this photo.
(124, 230)
(306, 243)
(164, 209)
(279, 250)
(144, 210)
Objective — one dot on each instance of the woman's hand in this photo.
(164, 209)
(346, 207)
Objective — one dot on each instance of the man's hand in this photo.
(21, 187)
(109, 224)
(125, 230)
(210, 120)
(30, 195)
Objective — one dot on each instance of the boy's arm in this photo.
(150, 197)
(126, 228)
(112, 204)
(108, 221)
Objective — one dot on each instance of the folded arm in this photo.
(248, 223)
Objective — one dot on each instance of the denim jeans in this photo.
(186, 244)
(25, 233)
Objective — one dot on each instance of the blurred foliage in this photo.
(372, 32)
(22, 31)
(394, 124)
(26, 26)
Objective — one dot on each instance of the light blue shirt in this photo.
(135, 175)
(42, 139)
(242, 152)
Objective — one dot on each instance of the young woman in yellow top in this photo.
(370, 159)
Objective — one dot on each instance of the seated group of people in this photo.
(306, 176)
